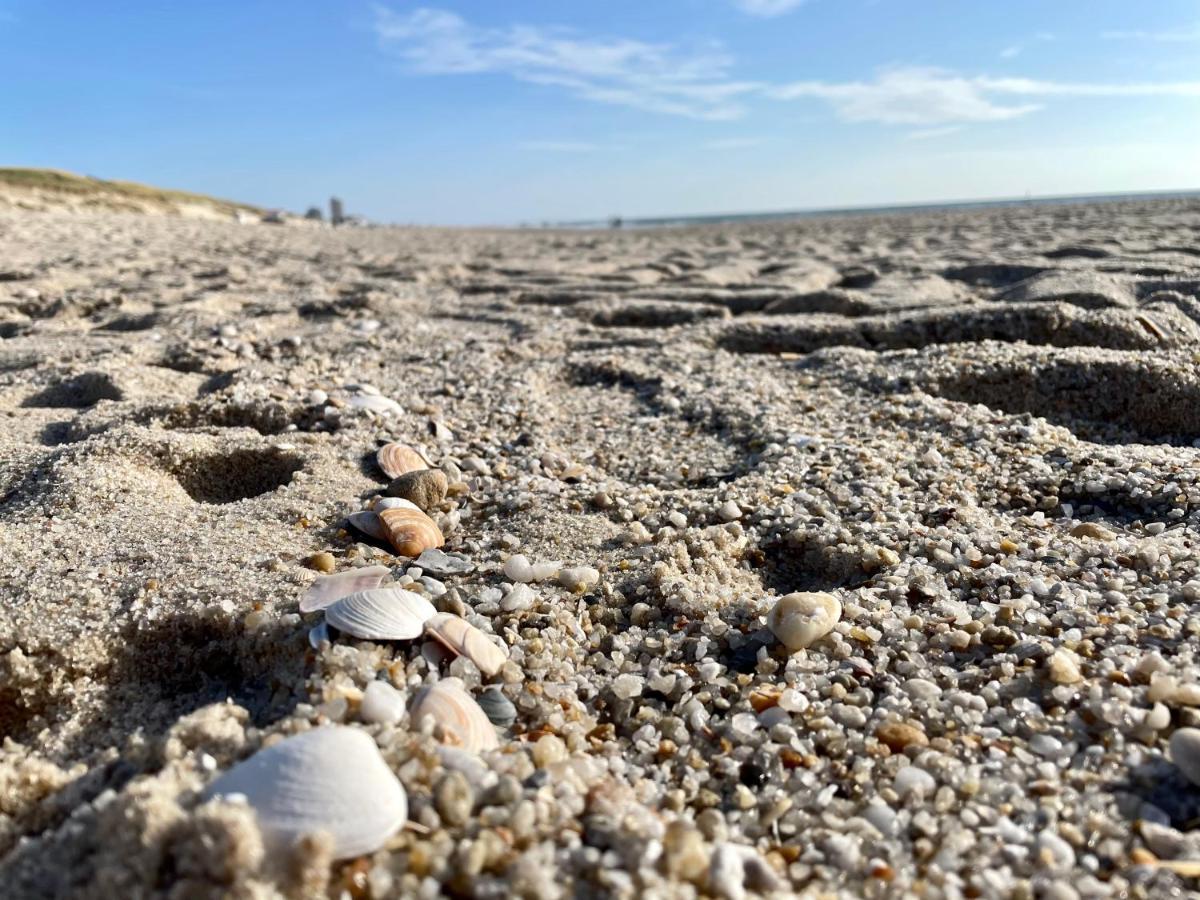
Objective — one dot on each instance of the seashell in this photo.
(394, 503)
(410, 532)
(466, 640)
(498, 708)
(462, 722)
(317, 635)
(801, 619)
(368, 523)
(396, 459)
(329, 588)
(329, 779)
(382, 614)
(440, 563)
(376, 404)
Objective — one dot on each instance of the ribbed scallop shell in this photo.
(382, 614)
(329, 779)
(396, 459)
(466, 640)
(328, 588)
(410, 531)
(462, 722)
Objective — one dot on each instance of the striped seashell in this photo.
(466, 640)
(396, 459)
(458, 717)
(368, 523)
(382, 614)
(328, 588)
(330, 779)
(410, 531)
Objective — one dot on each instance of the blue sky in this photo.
(478, 111)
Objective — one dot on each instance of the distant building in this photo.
(336, 215)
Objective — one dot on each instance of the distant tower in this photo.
(335, 211)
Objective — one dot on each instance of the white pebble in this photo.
(802, 619)
(382, 704)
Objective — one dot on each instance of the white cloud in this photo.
(930, 96)
(653, 77)
(767, 9)
(1010, 52)
(1183, 34)
(909, 96)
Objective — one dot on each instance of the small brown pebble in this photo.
(322, 562)
(424, 487)
(1093, 530)
(1140, 856)
(898, 735)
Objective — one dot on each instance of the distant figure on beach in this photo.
(336, 215)
(314, 213)
(615, 222)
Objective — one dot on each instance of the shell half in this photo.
(328, 588)
(382, 614)
(458, 717)
(396, 459)
(329, 779)
(466, 640)
(410, 532)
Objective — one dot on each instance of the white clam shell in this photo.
(376, 404)
(368, 523)
(466, 640)
(460, 719)
(802, 619)
(382, 614)
(328, 588)
(329, 779)
(394, 503)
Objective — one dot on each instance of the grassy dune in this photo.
(110, 195)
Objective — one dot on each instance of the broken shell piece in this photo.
(498, 708)
(461, 722)
(466, 640)
(330, 779)
(802, 619)
(410, 531)
(385, 406)
(368, 523)
(382, 614)
(328, 588)
(317, 635)
(396, 459)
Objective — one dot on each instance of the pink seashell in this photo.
(466, 640)
(328, 588)
(460, 720)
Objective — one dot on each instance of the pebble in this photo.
(381, 704)
(729, 511)
(1185, 753)
(578, 578)
(424, 487)
(548, 750)
(1063, 667)
(497, 707)
(1093, 530)
(453, 798)
(801, 619)
(900, 735)
(628, 685)
(518, 568)
(321, 562)
(913, 780)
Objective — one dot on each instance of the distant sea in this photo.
(953, 205)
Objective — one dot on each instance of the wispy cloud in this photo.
(1183, 34)
(560, 146)
(931, 96)
(907, 96)
(1010, 52)
(767, 9)
(699, 82)
(654, 77)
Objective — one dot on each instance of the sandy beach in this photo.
(977, 431)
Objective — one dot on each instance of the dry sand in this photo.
(977, 430)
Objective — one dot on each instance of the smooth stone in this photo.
(382, 704)
(441, 563)
(424, 487)
(1185, 752)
